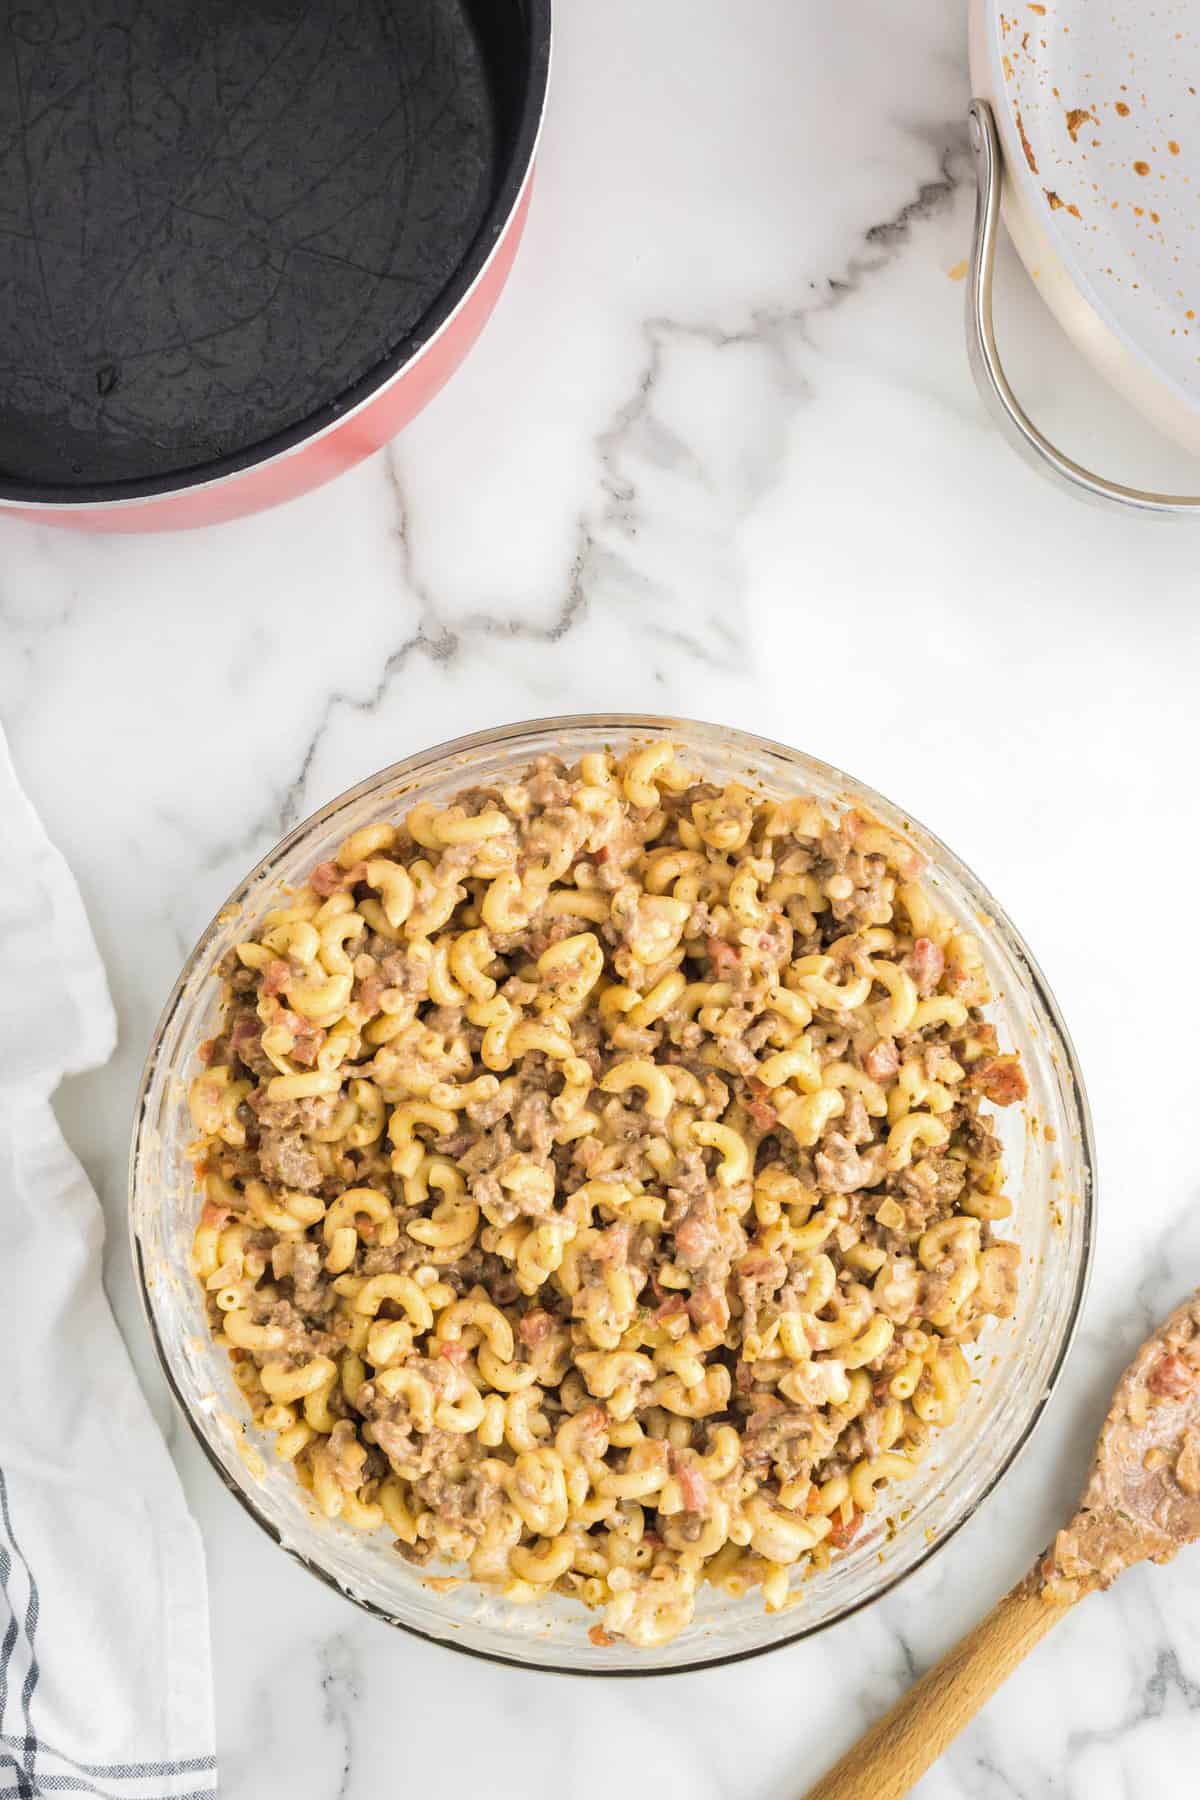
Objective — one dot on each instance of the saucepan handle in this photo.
(992, 382)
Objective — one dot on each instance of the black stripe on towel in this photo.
(67, 1784)
(31, 1619)
(9, 1766)
(10, 1636)
(142, 1771)
(29, 1782)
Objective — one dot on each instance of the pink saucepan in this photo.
(242, 242)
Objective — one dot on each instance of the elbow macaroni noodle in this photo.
(597, 1185)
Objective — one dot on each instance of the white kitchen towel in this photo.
(105, 1681)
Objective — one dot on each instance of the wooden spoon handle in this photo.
(895, 1753)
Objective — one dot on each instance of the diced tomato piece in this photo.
(246, 1037)
(722, 956)
(759, 1265)
(276, 977)
(926, 964)
(760, 1106)
(1171, 1378)
(708, 1306)
(882, 1060)
(762, 1113)
(842, 1532)
(692, 1486)
(326, 879)
(368, 995)
(1000, 1079)
(695, 1238)
(673, 1308)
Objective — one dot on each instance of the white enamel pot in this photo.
(1085, 128)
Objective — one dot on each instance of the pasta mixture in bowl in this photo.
(598, 1184)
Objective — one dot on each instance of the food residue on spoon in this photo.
(1142, 1497)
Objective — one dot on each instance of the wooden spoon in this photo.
(1141, 1502)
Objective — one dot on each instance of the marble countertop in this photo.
(718, 453)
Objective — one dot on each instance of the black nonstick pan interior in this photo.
(218, 216)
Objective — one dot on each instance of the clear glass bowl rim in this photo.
(508, 735)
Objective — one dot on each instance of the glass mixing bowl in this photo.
(1049, 1156)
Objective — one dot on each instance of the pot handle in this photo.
(990, 379)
